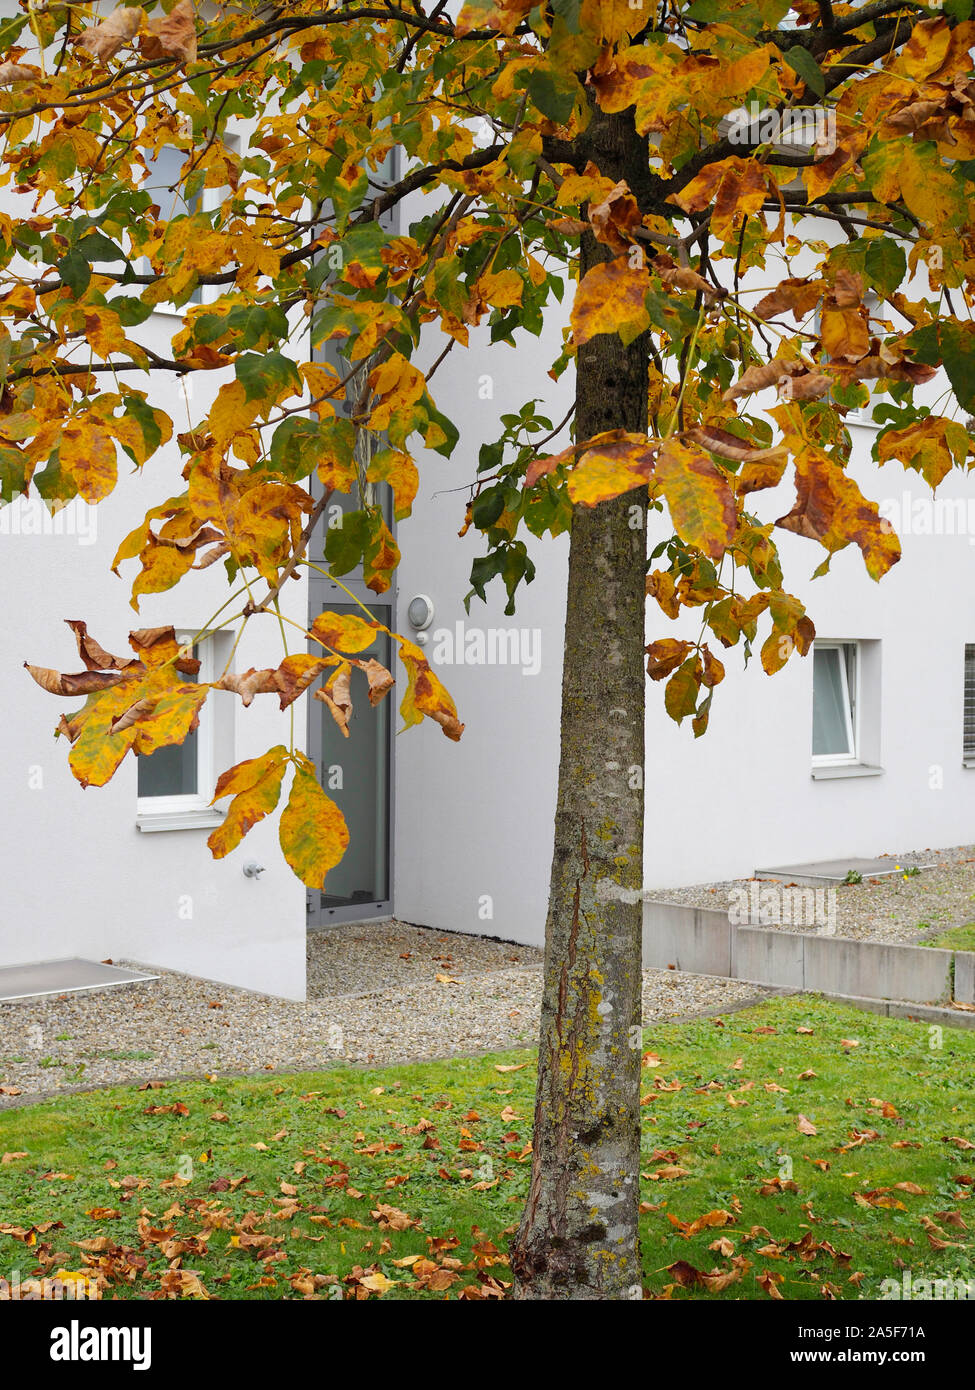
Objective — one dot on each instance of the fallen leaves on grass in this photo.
(718, 1217)
(716, 1281)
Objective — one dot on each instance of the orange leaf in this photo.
(611, 299)
(252, 802)
(613, 463)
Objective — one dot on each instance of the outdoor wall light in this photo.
(420, 612)
(252, 869)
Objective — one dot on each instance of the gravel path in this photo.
(891, 909)
(488, 998)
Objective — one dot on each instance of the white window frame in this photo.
(968, 753)
(192, 811)
(851, 703)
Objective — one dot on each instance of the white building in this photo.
(459, 836)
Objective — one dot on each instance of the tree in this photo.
(663, 155)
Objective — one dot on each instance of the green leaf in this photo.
(257, 325)
(145, 418)
(75, 272)
(95, 247)
(487, 507)
(802, 62)
(13, 474)
(958, 354)
(131, 312)
(953, 344)
(886, 264)
(266, 376)
(345, 544)
(553, 94)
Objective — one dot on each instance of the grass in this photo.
(955, 939)
(405, 1182)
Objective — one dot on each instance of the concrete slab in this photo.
(903, 1008)
(63, 977)
(696, 940)
(965, 977)
(768, 957)
(827, 872)
(838, 965)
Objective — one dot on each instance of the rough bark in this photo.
(578, 1235)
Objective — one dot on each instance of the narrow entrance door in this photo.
(356, 772)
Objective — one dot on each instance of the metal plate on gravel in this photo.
(835, 870)
(63, 977)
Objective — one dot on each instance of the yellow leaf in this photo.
(734, 186)
(380, 559)
(377, 1283)
(426, 695)
(612, 464)
(700, 498)
(831, 509)
(87, 453)
(503, 289)
(396, 468)
(345, 633)
(845, 333)
(396, 385)
(252, 802)
(232, 412)
(611, 299)
(313, 832)
(247, 773)
(96, 753)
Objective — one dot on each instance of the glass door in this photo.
(356, 772)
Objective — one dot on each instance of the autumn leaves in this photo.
(139, 703)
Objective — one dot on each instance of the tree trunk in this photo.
(578, 1237)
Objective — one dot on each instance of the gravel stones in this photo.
(487, 998)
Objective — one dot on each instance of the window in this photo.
(162, 183)
(835, 715)
(969, 718)
(880, 327)
(175, 783)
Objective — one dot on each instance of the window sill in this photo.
(968, 762)
(832, 771)
(152, 821)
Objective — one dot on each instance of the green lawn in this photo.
(416, 1175)
(955, 939)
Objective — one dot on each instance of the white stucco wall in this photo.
(743, 797)
(474, 820)
(79, 878)
(478, 819)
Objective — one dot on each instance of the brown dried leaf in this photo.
(16, 72)
(761, 376)
(84, 683)
(173, 36)
(105, 40)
